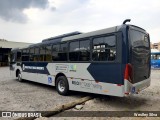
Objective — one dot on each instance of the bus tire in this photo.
(62, 86)
(19, 77)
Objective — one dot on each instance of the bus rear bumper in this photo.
(135, 88)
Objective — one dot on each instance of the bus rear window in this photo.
(139, 55)
(139, 39)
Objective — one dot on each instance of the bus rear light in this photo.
(119, 84)
(97, 81)
(126, 93)
(128, 72)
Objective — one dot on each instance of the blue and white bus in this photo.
(113, 61)
(155, 60)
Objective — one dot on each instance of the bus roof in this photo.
(94, 33)
(61, 36)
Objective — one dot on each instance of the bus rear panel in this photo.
(137, 71)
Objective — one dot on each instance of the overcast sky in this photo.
(35, 20)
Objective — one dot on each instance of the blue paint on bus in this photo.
(35, 67)
(107, 72)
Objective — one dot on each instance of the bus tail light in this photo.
(128, 72)
(126, 93)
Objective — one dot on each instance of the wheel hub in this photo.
(61, 85)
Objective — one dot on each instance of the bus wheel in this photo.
(20, 77)
(62, 85)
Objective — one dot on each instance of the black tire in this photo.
(19, 76)
(62, 86)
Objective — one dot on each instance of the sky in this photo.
(34, 20)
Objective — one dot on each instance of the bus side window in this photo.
(74, 51)
(157, 57)
(84, 50)
(25, 55)
(55, 51)
(48, 53)
(42, 53)
(18, 56)
(12, 57)
(31, 54)
(104, 48)
(36, 55)
(63, 52)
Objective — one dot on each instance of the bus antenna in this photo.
(127, 20)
